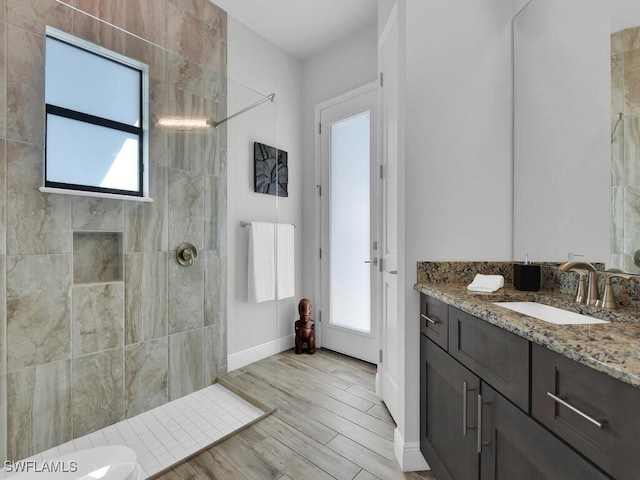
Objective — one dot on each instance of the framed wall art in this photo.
(271, 170)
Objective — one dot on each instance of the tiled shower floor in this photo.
(172, 432)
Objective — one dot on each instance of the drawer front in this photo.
(595, 413)
(434, 317)
(495, 355)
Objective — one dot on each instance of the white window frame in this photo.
(144, 101)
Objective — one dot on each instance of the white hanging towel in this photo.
(285, 258)
(262, 268)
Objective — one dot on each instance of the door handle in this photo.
(374, 261)
(576, 410)
(393, 272)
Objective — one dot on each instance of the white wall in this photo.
(257, 68)
(562, 130)
(457, 167)
(330, 73)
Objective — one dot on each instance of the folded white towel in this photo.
(486, 283)
(261, 273)
(285, 261)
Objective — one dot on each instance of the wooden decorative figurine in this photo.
(305, 328)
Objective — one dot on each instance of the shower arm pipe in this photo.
(270, 97)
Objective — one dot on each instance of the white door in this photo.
(389, 366)
(348, 263)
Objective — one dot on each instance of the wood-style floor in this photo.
(329, 424)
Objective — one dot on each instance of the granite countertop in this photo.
(612, 348)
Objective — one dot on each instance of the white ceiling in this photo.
(303, 27)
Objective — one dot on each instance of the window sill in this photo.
(81, 193)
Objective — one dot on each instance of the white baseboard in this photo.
(253, 354)
(408, 454)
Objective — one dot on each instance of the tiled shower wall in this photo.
(625, 164)
(98, 322)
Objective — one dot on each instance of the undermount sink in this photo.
(550, 314)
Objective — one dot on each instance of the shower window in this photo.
(96, 120)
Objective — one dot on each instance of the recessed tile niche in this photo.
(97, 257)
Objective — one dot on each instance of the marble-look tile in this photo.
(3, 197)
(98, 318)
(3, 10)
(630, 39)
(184, 74)
(186, 363)
(158, 152)
(36, 223)
(3, 316)
(617, 84)
(145, 52)
(215, 287)
(3, 79)
(184, 30)
(186, 208)
(146, 227)
(147, 19)
(631, 151)
(632, 82)
(111, 11)
(185, 149)
(98, 391)
(146, 372)
(186, 291)
(99, 32)
(192, 7)
(617, 218)
(3, 419)
(214, 51)
(617, 154)
(146, 295)
(211, 154)
(35, 14)
(38, 310)
(97, 257)
(215, 85)
(616, 43)
(211, 209)
(222, 344)
(25, 84)
(216, 17)
(38, 409)
(97, 214)
(211, 353)
(631, 219)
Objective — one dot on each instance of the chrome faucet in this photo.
(592, 286)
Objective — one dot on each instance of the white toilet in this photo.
(114, 462)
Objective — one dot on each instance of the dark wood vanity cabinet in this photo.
(459, 391)
(593, 412)
(434, 319)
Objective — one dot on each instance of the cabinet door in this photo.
(595, 413)
(448, 417)
(514, 446)
(495, 355)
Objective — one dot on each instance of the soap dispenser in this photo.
(526, 276)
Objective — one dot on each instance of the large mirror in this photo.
(576, 161)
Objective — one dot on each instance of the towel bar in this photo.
(246, 224)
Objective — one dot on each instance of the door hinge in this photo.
(320, 252)
(319, 187)
(381, 267)
(320, 316)
(380, 356)
(319, 128)
(375, 245)
(381, 172)
(381, 79)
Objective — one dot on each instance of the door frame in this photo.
(367, 88)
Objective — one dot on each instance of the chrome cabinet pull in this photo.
(576, 410)
(433, 322)
(465, 391)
